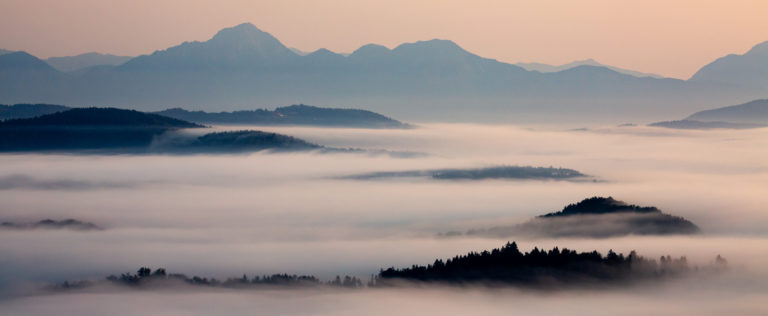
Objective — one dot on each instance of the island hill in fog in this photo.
(596, 217)
(498, 172)
(127, 131)
(71, 224)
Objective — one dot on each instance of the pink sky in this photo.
(673, 37)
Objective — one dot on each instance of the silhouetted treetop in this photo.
(507, 265)
(601, 205)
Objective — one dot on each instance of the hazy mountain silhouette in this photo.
(18, 111)
(586, 62)
(704, 125)
(290, 115)
(87, 60)
(753, 114)
(17, 64)
(596, 217)
(236, 48)
(429, 80)
(5, 51)
(749, 69)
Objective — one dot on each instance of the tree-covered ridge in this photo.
(595, 217)
(601, 205)
(290, 115)
(99, 117)
(72, 224)
(113, 130)
(507, 265)
(498, 172)
(502, 266)
(502, 172)
(249, 141)
(146, 278)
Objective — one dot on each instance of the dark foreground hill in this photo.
(86, 129)
(109, 130)
(597, 217)
(290, 115)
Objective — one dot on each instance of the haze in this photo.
(271, 213)
(670, 38)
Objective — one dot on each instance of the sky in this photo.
(668, 37)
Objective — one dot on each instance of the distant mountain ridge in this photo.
(433, 80)
(586, 62)
(87, 60)
(19, 111)
(749, 69)
(753, 114)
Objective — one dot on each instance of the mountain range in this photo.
(243, 67)
(81, 62)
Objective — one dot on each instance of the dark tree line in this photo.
(145, 276)
(503, 266)
(556, 266)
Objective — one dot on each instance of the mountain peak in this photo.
(23, 61)
(247, 39)
(240, 30)
(433, 44)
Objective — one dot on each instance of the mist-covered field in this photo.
(226, 215)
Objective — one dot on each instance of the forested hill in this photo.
(556, 267)
(601, 205)
(290, 115)
(596, 217)
(99, 117)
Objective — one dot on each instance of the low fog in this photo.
(265, 213)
